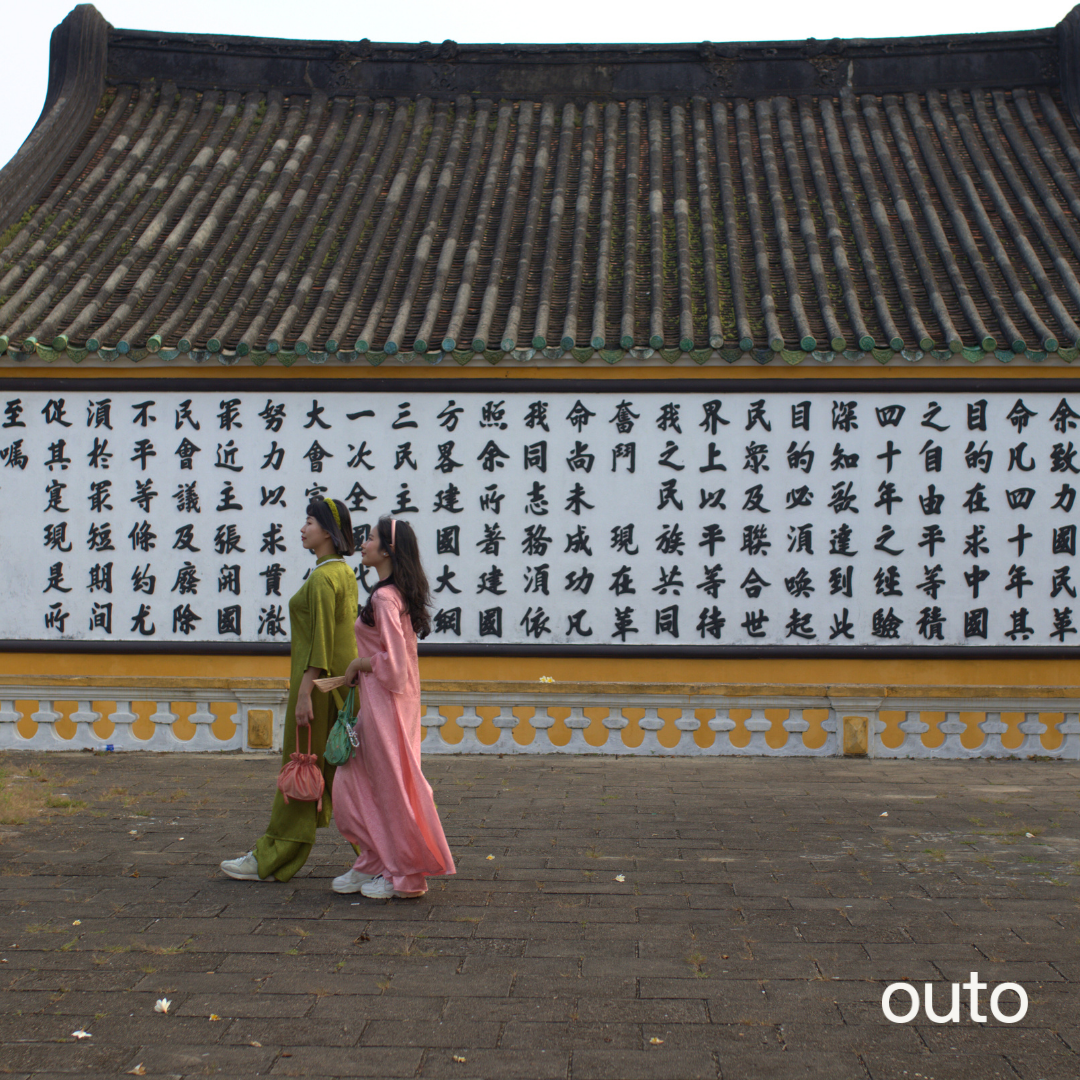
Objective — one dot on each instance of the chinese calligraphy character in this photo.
(138, 622)
(446, 463)
(755, 540)
(184, 619)
(713, 419)
(624, 450)
(448, 540)
(887, 491)
(625, 416)
(142, 539)
(670, 449)
(624, 623)
(885, 624)
(183, 414)
(142, 415)
(54, 412)
(98, 414)
(536, 540)
(753, 583)
(668, 418)
(315, 416)
(493, 500)
(227, 540)
(1063, 418)
(755, 414)
(273, 575)
(579, 415)
(931, 537)
(187, 580)
(667, 620)
(840, 580)
(670, 541)
(447, 621)
(754, 497)
(932, 410)
(712, 581)
(930, 623)
(185, 451)
(537, 415)
(890, 415)
(448, 418)
(272, 621)
(843, 416)
(799, 584)
(976, 499)
(932, 580)
(1020, 416)
(801, 458)
(143, 581)
(756, 454)
(447, 499)
(229, 579)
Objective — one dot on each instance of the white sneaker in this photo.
(378, 888)
(350, 882)
(246, 868)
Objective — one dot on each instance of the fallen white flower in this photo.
(490, 858)
(884, 813)
(139, 1070)
(77, 922)
(80, 1034)
(620, 877)
(162, 1005)
(1029, 835)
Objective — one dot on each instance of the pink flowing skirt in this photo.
(382, 801)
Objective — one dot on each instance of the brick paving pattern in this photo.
(766, 904)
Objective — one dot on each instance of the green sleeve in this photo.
(322, 605)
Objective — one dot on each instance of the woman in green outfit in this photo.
(321, 616)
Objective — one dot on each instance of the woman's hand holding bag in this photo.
(343, 739)
(300, 777)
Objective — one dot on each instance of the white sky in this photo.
(26, 66)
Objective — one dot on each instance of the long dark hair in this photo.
(406, 572)
(342, 536)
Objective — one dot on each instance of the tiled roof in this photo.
(415, 202)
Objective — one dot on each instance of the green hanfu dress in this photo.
(322, 615)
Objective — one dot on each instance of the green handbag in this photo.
(343, 739)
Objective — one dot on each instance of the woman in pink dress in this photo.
(382, 803)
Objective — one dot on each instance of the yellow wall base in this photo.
(922, 672)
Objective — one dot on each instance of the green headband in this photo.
(334, 512)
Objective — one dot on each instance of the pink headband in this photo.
(393, 533)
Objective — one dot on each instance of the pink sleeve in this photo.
(392, 665)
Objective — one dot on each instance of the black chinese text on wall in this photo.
(578, 518)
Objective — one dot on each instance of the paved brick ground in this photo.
(765, 906)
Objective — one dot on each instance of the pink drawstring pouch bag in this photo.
(300, 777)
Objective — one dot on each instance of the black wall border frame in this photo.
(376, 384)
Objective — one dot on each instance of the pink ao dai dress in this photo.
(382, 801)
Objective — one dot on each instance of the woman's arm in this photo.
(352, 672)
(395, 662)
(304, 712)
